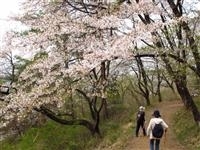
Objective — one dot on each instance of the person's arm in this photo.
(137, 116)
(165, 125)
(149, 128)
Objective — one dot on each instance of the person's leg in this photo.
(157, 144)
(137, 129)
(151, 144)
(144, 130)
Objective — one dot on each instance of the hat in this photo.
(141, 108)
(156, 114)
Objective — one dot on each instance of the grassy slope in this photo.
(186, 130)
(53, 136)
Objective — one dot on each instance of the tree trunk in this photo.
(142, 80)
(159, 81)
(183, 91)
(188, 100)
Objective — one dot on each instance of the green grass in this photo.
(186, 130)
(169, 95)
(51, 136)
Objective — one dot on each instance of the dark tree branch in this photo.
(47, 112)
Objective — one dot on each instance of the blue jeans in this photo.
(154, 144)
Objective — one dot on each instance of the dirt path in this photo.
(167, 109)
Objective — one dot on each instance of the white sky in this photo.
(7, 8)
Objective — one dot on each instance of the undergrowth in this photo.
(54, 136)
(187, 131)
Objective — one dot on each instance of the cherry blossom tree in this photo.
(83, 36)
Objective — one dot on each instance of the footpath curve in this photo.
(167, 109)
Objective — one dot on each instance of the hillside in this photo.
(54, 136)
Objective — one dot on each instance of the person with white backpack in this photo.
(155, 130)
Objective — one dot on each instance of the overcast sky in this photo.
(7, 8)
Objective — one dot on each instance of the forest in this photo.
(83, 67)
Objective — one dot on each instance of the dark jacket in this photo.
(141, 116)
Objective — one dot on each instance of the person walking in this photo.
(140, 121)
(155, 130)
